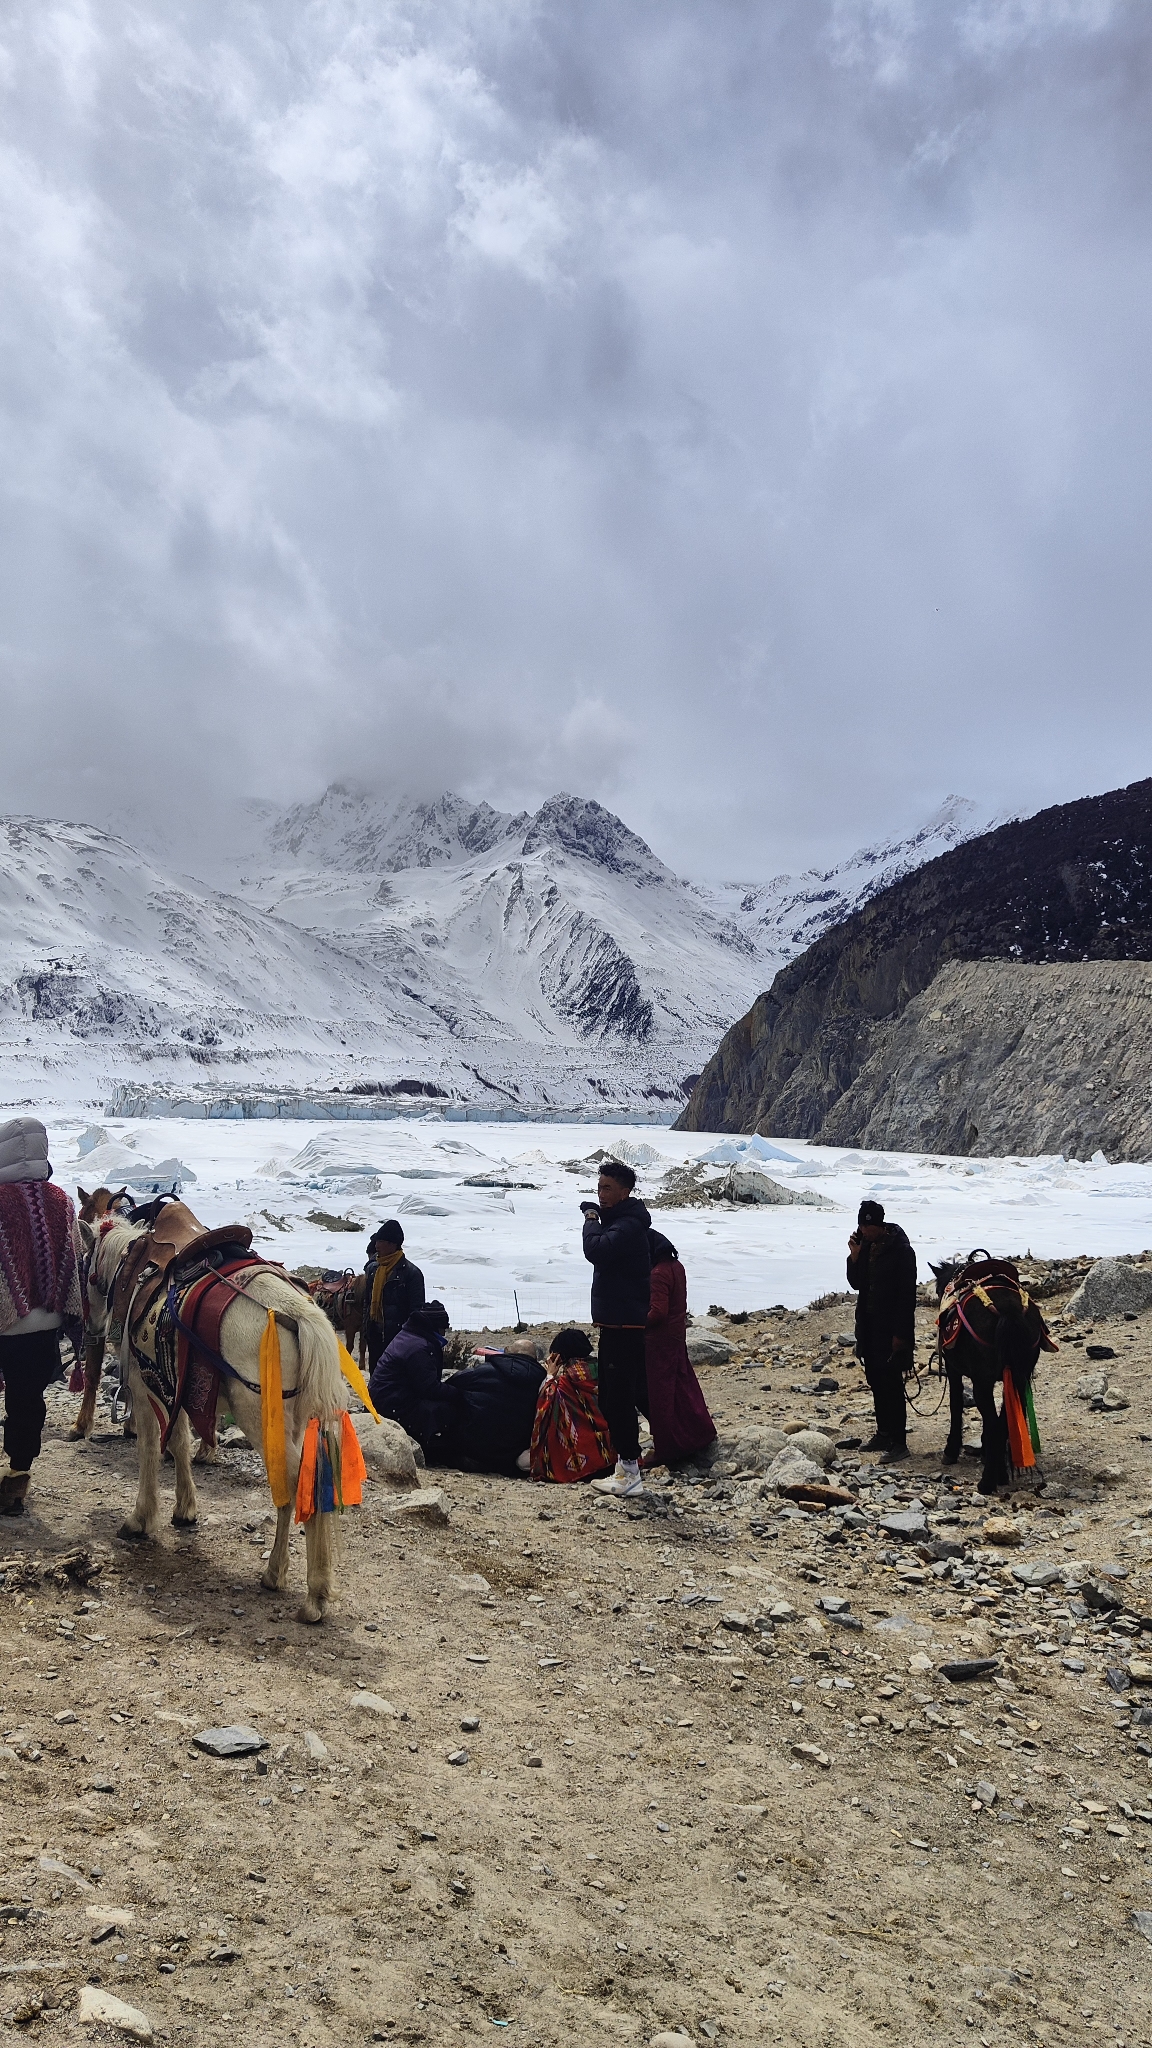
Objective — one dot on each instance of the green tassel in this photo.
(1030, 1412)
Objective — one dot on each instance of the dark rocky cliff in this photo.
(1072, 884)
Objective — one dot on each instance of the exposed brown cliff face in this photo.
(816, 1055)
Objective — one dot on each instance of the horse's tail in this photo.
(1016, 1346)
(320, 1389)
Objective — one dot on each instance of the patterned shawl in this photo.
(38, 1267)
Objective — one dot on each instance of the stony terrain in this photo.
(709, 1775)
(875, 1036)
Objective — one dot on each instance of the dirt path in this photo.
(645, 1834)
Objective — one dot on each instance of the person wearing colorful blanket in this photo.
(570, 1439)
(882, 1273)
(39, 1293)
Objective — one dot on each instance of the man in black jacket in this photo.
(882, 1270)
(408, 1382)
(393, 1289)
(616, 1230)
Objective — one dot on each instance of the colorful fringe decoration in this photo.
(272, 1414)
(1020, 1449)
(1030, 1410)
(356, 1379)
(332, 1469)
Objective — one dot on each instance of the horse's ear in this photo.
(85, 1197)
(87, 1234)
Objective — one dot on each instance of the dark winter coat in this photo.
(883, 1274)
(616, 1247)
(407, 1385)
(492, 1410)
(403, 1293)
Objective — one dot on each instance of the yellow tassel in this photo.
(356, 1379)
(272, 1414)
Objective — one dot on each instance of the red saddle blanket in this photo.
(180, 1361)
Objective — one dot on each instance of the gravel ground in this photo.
(671, 1810)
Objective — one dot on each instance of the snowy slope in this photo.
(544, 962)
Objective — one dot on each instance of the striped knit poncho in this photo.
(38, 1267)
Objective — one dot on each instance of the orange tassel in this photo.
(1019, 1436)
(353, 1470)
(306, 1484)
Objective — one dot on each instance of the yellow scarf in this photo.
(386, 1263)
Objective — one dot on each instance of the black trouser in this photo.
(28, 1363)
(622, 1387)
(884, 1372)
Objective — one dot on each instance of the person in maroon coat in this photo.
(677, 1411)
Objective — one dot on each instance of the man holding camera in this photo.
(882, 1271)
(616, 1230)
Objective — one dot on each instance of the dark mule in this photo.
(341, 1296)
(986, 1322)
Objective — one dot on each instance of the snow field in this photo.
(480, 1246)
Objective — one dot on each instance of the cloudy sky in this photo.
(738, 411)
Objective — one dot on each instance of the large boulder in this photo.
(812, 1443)
(388, 1452)
(791, 1467)
(750, 1449)
(704, 1348)
(1112, 1288)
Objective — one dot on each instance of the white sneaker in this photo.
(624, 1483)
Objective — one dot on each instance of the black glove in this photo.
(589, 1209)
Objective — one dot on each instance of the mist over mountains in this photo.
(391, 950)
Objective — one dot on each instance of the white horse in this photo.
(313, 1386)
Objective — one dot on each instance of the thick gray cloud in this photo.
(736, 413)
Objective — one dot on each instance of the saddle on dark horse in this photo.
(986, 1303)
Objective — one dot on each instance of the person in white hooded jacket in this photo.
(39, 1291)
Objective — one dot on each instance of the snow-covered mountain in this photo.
(541, 962)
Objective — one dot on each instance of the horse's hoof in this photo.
(987, 1485)
(312, 1611)
(184, 1521)
(130, 1535)
(950, 1455)
(270, 1585)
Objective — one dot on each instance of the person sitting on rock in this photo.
(407, 1384)
(882, 1272)
(570, 1438)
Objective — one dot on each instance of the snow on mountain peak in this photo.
(578, 826)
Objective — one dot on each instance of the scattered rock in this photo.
(737, 1622)
(688, 2040)
(371, 1703)
(99, 2009)
(56, 1869)
(1002, 1530)
(317, 1750)
(459, 1756)
(111, 1916)
(1098, 1351)
(425, 1505)
(471, 1582)
(965, 1668)
(470, 1724)
(905, 1522)
(1112, 1401)
(986, 1792)
(230, 1741)
(534, 1762)
(809, 1753)
(1036, 1574)
(1091, 1385)
(1140, 1671)
(1111, 1288)
(1142, 1922)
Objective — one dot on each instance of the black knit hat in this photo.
(569, 1344)
(871, 1212)
(389, 1233)
(432, 1318)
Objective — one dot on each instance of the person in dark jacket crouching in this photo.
(616, 1230)
(493, 1409)
(393, 1289)
(407, 1384)
(882, 1270)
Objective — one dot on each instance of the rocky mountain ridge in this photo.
(860, 1033)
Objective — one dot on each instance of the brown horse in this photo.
(341, 1296)
(987, 1322)
(93, 1209)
